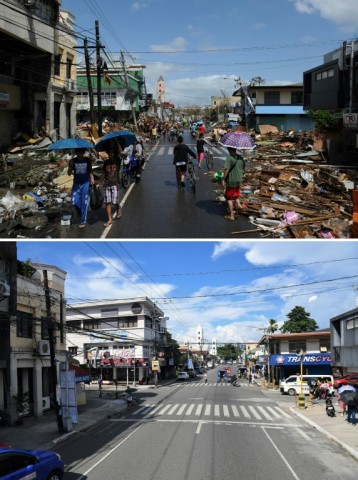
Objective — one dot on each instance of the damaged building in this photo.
(37, 69)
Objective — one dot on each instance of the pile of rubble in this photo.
(292, 193)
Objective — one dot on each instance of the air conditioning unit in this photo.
(46, 403)
(4, 289)
(43, 347)
(70, 85)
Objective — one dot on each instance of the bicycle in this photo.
(209, 158)
(129, 170)
(192, 176)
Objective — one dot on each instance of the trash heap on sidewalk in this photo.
(295, 194)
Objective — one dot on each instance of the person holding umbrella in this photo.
(110, 179)
(81, 169)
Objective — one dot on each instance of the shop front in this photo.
(284, 365)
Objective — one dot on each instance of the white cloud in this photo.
(178, 44)
(139, 6)
(313, 298)
(343, 13)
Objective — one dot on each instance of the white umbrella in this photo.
(346, 387)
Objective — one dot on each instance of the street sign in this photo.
(350, 120)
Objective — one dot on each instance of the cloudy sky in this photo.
(200, 47)
(232, 289)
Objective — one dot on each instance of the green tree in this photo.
(323, 119)
(256, 81)
(299, 321)
(228, 352)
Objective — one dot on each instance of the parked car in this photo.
(350, 378)
(183, 376)
(18, 464)
(199, 369)
(192, 373)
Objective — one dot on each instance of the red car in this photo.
(351, 378)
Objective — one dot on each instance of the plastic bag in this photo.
(96, 197)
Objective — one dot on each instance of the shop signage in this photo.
(308, 359)
(136, 308)
(155, 366)
(4, 99)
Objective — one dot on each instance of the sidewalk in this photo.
(42, 433)
(335, 429)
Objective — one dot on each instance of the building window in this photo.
(68, 68)
(44, 329)
(74, 324)
(296, 98)
(24, 322)
(109, 312)
(272, 98)
(90, 325)
(324, 75)
(127, 322)
(325, 343)
(57, 65)
(73, 350)
(297, 346)
(352, 323)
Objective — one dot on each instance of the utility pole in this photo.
(51, 336)
(99, 80)
(89, 84)
(128, 88)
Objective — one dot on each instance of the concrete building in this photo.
(344, 335)
(37, 69)
(283, 353)
(119, 339)
(32, 340)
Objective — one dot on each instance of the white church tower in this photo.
(199, 337)
(161, 90)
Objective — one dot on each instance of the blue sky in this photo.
(231, 288)
(194, 44)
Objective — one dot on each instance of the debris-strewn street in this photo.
(290, 189)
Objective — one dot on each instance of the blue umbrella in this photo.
(127, 137)
(70, 144)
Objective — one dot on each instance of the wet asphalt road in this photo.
(156, 209)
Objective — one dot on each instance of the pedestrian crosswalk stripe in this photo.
(244, 411)
(235, 410)
(161, 151)
(264, 413)
(257, 412)
(282, 412)
(275, 414)
(226, 411)
(181, 409)
(172, 410)
(199, 408)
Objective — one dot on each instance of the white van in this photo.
(292, 384)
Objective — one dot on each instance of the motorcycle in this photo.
(330, 410)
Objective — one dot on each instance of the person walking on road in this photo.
(110, 178)
(206, 377)
(200, 148)
(181, 152)
(233, 169)
(81, 169)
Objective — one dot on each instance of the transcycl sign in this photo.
(287, 359)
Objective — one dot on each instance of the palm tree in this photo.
(273, 326)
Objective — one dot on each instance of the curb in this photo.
(346, 447)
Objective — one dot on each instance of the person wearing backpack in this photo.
(233, 170)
